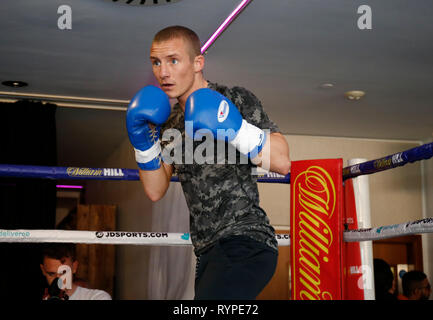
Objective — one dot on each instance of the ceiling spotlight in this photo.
(15, 84)
(354, 94)
(326, 86)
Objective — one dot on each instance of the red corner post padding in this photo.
(352, 264)
(316, 229)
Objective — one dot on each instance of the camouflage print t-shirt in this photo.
(222, 193)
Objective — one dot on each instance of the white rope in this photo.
(391, 231)
(106, 237)
(183, 239)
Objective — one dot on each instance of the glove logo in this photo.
(223, 111)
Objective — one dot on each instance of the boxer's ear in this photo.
(199, 63)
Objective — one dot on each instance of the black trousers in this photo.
(235, 268)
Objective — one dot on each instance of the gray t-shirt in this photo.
(222, 197)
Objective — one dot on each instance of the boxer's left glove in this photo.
(208, 109)
(149, 106)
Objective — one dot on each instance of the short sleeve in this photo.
(252, 110)
(100, 295)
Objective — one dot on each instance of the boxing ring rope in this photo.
(160, 238)
(106, 237)
(81, 173)
(369, 167)
(183, 239)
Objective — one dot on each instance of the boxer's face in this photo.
(174, 67)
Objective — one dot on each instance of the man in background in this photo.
(415, 286)
(59, 263)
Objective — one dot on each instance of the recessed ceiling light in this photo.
(15, 84)
(354, 94)
(326, 86)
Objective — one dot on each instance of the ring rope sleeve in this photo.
(174, 239)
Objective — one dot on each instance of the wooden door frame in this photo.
(414, 248)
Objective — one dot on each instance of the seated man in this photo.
(59, 263)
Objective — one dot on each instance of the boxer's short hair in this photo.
(176, 32)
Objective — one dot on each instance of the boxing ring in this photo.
(347, 234)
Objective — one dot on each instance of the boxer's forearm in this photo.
(156, 182)
(275, 155)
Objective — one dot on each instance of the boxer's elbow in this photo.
(154, 185)
(283, 165)
(155, 192)
(154, 197)
(280, 155)
(287, 167)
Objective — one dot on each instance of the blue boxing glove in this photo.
(149, 105)
(208, 109)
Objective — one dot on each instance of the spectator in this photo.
(383, 281)
(55, 256)
(415, 286)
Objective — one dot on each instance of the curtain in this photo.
(28, 133)
(171, 268)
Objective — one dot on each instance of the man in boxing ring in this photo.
(233, 240)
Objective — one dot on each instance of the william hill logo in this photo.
(89, 172)
(315, 199)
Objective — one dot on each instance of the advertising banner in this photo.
(316, 229)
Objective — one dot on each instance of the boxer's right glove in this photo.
(149, 105)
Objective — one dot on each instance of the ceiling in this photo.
(282, 50)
